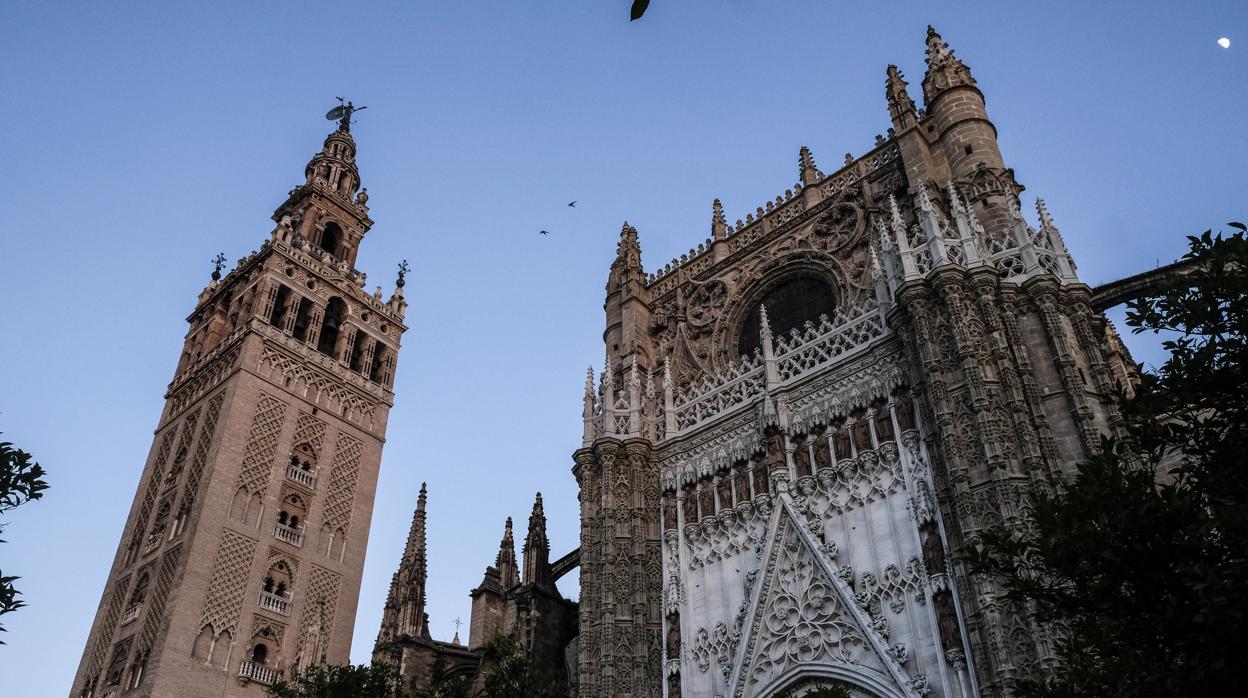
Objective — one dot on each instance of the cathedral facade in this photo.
(242, 553)
(805, 421)
(799, 429)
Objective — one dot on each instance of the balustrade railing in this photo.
(307, 478)
(258, 672)
(287, 534)
(274, 603)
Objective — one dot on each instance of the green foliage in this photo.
(1142, 561)
(376, 681)
(21, 481)
(507, 673)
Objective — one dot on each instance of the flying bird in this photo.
(573, 204)
(543, 232)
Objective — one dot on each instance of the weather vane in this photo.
(218, 263)
(403, 269)
(342, 114)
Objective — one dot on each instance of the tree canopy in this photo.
(1141, 563)
(21, 481)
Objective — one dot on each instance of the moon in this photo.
(1224, 42)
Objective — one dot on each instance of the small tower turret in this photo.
(900, 107)
(628, 303)
(537, 549)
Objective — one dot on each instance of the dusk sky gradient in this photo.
(142, 138)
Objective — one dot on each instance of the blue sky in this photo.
(140, 139)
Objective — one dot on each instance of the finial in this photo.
(403, 269)
(876, 270)
(955, 204)
(806, 170)
(218, 263)
(764, 326)
(424, 489)
(1046, 221)
(362, 197)
(589, 381)
(667, 372)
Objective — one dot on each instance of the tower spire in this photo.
(508, 570)
(537, 548)
(900, 107)
(944, 70)
(325, 214)
(719, 226)
(404, 613)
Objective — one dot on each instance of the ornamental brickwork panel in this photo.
(228, 582)
(258, 460)
(342, 481)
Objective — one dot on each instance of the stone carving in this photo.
(154, 482)
(799, 618)
(205, 378)
(260, 454)
(191, 489)
(158, 595)
(228, 582)
(342, 481)
(108, 623)
(319, 605)
(311, 431)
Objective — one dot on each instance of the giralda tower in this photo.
(242, 554)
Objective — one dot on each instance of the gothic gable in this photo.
(803, 622)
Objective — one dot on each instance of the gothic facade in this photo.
(242, 553)
(521, 603)
(804, 422)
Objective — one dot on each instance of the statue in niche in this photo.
(822, 457)
(843, 449)
(801, 458)
(775, 449)
(862, 434)
(905, 415)
(760, 478)
(725, 494)
(884, 425)
(742, 483)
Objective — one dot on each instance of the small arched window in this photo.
(790, 304)
(331, 237)
(335, 311)
(260, 653)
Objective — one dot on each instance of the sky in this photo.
(141, 139)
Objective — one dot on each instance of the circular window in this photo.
(790, 303)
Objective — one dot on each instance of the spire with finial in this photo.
(627, 265)
(405, 605)
(218, 263)
(900, 107)
(537, 548)
(719, 226)
(806, 170)
(508, 570)
(944, 70)
(764, 326)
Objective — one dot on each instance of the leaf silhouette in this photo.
(639, 9)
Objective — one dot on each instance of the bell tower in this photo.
(242, 554)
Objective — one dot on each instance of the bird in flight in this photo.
(573, 204)
(543, 232)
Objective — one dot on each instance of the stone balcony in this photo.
(259, 673)
(299, 476)
(275, 603)
(286, 534)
